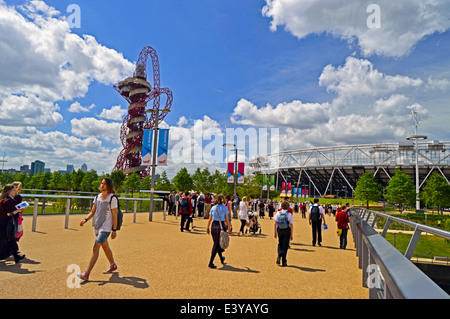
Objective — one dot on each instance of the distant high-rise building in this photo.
(25, 168)
(70, 169)
(84, 168)
(37, 166)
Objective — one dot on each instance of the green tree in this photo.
(35, 181)
(436, 192)
(75, 179)
(88, 178)
(146, 183)
(183, 180)
(132, 183)
(118, 177)
(65, 182)
(55, 182)
(368, 189)
(202, 180)
(220, 184)
(45, 181)
(400, 189)
(163, 183)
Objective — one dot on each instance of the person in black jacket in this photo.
(8, 229)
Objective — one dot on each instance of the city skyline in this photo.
(39, 166)
(325, 73)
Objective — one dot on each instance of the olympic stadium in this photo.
(334, 171)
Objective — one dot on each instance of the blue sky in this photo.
(313, 69)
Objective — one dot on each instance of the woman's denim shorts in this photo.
(102, 237)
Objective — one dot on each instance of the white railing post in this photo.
(35, 209)
(66, 226)
(164, 209)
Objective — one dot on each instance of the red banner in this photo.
(230, 178)
(241, 168)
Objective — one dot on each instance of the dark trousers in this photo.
(185, 220)
(343, 238)
(243, 223)
(200, 208)
(284, 236)
(316, 231)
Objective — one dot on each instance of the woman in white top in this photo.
(243, 214)
(104, 212)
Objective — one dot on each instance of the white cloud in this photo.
(403, 23)
(115, 113)
(77, 108)
(290, 114)
(359, 78)
(43, 62)
(28, 111)
(91, 127)
(367, 106)
(182, 121)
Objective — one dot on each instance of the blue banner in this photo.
(147, 143)
(163, 147)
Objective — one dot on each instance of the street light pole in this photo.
(416, 138)
(155, 149)
(154, 157)
(235, 174)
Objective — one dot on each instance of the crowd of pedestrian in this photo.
(219, 209)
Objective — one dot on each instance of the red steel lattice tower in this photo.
(138, 93)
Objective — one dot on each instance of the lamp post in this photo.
(154, 155)
(416, 138)
(235, 174)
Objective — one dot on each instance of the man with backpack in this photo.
(185, 211)
(316, 215)
(284, 228)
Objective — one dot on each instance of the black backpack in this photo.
(184, 205)
(119, 212)
(315, 213)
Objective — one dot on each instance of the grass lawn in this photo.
(427, 245)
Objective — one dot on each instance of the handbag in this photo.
(339, 232)
(224, 238)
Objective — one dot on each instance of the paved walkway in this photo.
(156, 261)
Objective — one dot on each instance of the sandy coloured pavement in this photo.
(157, 261)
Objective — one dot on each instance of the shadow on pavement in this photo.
(136, 282)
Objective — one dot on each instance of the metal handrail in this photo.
(68, 205)
(424, 228)
(386, 272)
(84, 197)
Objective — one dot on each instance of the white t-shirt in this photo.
(243, 210)
(103, 219)
(289, 216)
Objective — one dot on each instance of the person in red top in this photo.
(342, 220)
(185, 211)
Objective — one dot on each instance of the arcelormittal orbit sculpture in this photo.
(138, 92)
